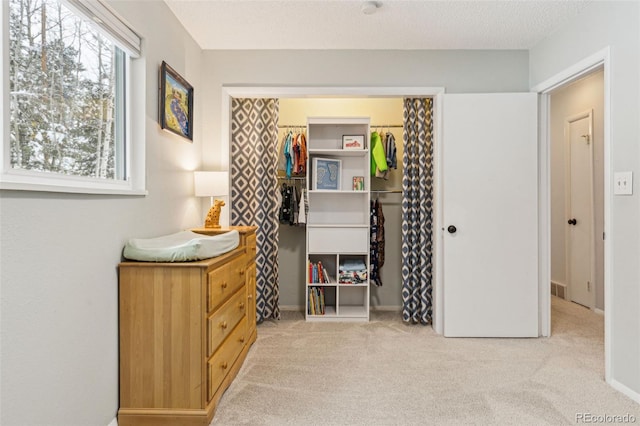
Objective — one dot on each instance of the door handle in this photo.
(572, 221)
(452, 229)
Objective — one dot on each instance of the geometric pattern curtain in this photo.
(254, 155)
(417, 211)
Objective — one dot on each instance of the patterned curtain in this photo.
(254, 138)
(417, 211)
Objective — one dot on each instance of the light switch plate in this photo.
(623, 183)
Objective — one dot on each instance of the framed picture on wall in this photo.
(353, 142)
(176, 103)
(326, 174)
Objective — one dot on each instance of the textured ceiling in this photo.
(396, 24)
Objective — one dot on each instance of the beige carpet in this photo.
(387, 373)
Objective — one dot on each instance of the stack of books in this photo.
(318, 274)
(316, 301)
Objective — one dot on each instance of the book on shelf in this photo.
(318, 274)
(316, 301)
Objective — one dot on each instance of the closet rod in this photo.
(280, 126)
(292, 177)
(387, 191)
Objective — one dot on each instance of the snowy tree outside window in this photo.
(66, 89)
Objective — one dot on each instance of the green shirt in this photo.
(378, 157)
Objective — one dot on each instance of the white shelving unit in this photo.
(338, 223)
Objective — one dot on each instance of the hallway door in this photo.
(579, 208)
(490, 215)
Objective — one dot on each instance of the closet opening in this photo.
(385, 112)
(385, 116)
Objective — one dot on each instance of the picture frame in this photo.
(176, 103)
(327, 174)
(358, 183)
(352, 142)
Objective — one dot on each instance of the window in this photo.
(68, 69)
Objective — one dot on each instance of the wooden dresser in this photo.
(185, 330)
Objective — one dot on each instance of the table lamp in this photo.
(212, 184)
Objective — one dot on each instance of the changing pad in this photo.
(181, 246)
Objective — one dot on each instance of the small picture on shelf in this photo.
(353, 142)
(326, 174)
(358, 183)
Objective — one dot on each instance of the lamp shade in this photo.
(211, 184)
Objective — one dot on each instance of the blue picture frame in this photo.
(327, 174)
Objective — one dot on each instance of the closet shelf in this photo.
(340, 152)
(338, 222)
(333, 191)
(338, 225)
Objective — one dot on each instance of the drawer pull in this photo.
(241, 271)
(224, 284)
(250, 296)
(241, 305)
(224, 365)
(242, 339)
(223, 325)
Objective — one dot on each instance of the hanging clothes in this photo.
(380, 234)
(286, 192)
(378, 157)
(303, 208)
(282, 161)
(302, 154)
(390, 154)
(292, 154)
(376, 242)
(293, 218)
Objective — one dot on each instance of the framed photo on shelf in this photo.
(176, 103)
(358, 183)
(327, 173)
(353, 142)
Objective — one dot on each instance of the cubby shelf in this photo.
(338, 224)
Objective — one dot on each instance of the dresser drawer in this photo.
(223, 321)
(222, 361)
(224, 281)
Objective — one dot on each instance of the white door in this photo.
(490, 215)
(580, 250)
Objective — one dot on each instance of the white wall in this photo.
(59, 255)
(583, 95)
(617, 25)
(459, 71)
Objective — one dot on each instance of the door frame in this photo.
(230, 92)
(568, 208)
(600, 59)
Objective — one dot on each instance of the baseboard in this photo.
(385, 308)
(371, 308)
(559, 289)
(635, 396)
(291, 308)
(114, 422)
(598, 311)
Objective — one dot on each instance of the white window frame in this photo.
(134, 149)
